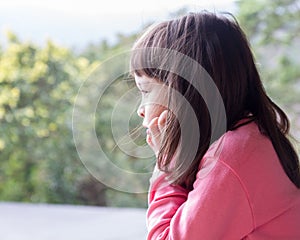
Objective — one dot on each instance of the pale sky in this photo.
(75, 23)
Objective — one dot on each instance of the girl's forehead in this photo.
(141, 80)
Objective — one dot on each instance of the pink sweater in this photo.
(241, 192)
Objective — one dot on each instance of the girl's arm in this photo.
(217, 208)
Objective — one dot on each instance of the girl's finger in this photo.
(153, 127)
(162, 120)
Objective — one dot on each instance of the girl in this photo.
(240, 181)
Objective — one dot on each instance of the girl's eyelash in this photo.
(144, 91)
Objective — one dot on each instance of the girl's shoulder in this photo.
(247, 152)
(249, 157)
(235, 147)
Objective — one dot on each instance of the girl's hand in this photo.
(155, 131)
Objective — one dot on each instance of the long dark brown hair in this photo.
(219, 45)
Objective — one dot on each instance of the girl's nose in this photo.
(141, 111)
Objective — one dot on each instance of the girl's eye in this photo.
(144, 92)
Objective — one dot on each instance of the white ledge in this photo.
(64, 222)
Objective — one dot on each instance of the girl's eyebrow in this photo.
(143, 83)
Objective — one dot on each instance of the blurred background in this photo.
(48, 48)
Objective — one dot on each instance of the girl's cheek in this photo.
(159, 110)
(156, 112)
(151, 111)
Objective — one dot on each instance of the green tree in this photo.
(274, 30)
(39, 162)
(102, 52)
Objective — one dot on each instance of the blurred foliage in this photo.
(39, 161)
(106, 107)
(103, 50)
(270, 21)
(38, 158)
(274, 30)
(273, 27)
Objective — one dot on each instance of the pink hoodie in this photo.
(241, 192)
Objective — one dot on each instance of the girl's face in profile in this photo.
(154, 98)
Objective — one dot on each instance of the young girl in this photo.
(240, 181)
